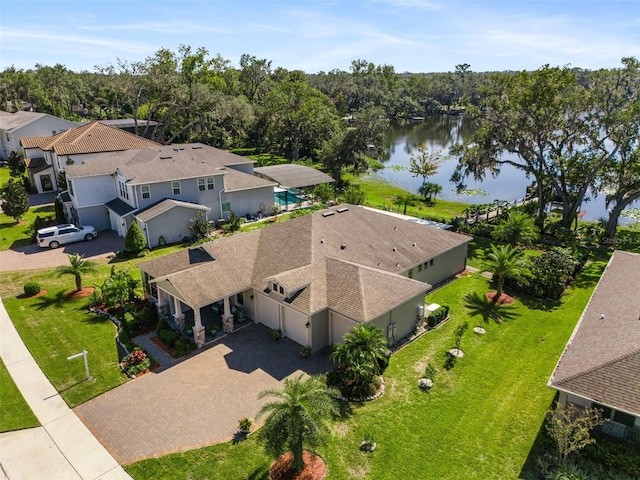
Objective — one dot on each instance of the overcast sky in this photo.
(320, 35)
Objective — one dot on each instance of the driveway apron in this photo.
(197, 401)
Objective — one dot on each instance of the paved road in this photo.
(33, 257)
(197, 402)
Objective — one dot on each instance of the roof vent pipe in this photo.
(602, 316)
(343, 246)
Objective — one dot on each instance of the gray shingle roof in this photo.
(119, 207)
(162, 206)
(602, 358)
(307, 252)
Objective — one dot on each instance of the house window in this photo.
(624, 418)
(411, 273)
(420, 268)
(240, 298)
(124, 191)
(426, 265)
(176, 188)
(201, 185)
(210, 183)
(275, 287)
(431, 262)
(70, 184)
(226, 207)
(146, 191)
(205, 184)
(281, 290)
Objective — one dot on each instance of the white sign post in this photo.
(86, 364)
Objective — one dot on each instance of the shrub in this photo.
(244, 424)
(305, 352)
(146, 317)
(276, 334)
(438, 316)
(430, 371)
(31, 288)
(181, 347)
(162, 325)
(168, 337)
(137, 361)
(135, 240)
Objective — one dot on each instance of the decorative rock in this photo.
(456, 352)
(227, 323)
(479, 330)
(425, 383)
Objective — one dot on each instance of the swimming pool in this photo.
(282, 198)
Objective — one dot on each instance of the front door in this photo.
(45, 183)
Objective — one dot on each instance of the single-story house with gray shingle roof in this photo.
(600, 365)
(112, 192)
(314, 277)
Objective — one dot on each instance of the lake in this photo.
(441, 132)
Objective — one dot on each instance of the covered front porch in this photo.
(202, 323)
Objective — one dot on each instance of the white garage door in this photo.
(267, 311)
(339, 326)
(294, 326)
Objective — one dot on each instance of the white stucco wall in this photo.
(41, 127)
(88, 191)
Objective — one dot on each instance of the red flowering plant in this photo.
(137, 361)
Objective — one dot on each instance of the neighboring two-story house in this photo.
(600, 366)
(15, 126)
(48, 155)
(162, 188)
(314, 277)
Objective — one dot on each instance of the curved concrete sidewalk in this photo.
(63, 447)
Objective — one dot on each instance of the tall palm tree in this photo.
(77, 267)
(298, 417)
(516, 228)
(404, 200)
(506, 261)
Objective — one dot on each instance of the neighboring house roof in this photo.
(14, 121)
(317, 258)
(119, 207)
(129, 123)
(94, 137)
(164, 205)
(171, 162)
(292, 175)
(36, 165)
(601, 361)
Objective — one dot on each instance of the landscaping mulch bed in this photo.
(315, 468)
(160, 344)
(503, 300)
(75, 294)
(39, 294)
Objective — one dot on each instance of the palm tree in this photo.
(506, 261)
(403, 200)
(359, 358)
(298, 418)
(516, 228)
(77, 267)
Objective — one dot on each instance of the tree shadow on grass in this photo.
(258, 473)
(529, 470)
(533, 303)
(479, 305)
(47, 301)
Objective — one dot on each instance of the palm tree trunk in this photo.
(297, 462)
(78, 281)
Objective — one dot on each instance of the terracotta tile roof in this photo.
(602, 358)
(307, 253)
(165, 205)
(94, 137)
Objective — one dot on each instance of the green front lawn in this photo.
(481, 419)
(14, 235)
(15, 414)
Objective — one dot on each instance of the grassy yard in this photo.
(14, 235)
(380, 194)
(15, 414)
(480, 420)
(54, 327)
(479, 247)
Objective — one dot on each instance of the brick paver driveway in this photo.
(197, 402)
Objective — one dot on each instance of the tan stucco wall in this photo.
(404, 316)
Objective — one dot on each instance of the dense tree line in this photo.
(569, 129)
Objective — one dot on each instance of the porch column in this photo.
(198, 329)
(178, 317)
(227, 317)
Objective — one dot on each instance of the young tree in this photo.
(570, 428)
(15, 201)
(77, 267)
(506, 261)
(16, 163)
(429, 191)
(425, 164)
(323, 192)
(354, 195)
(297, 418)
(517, 228)
(199, 226)
(135, 241)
